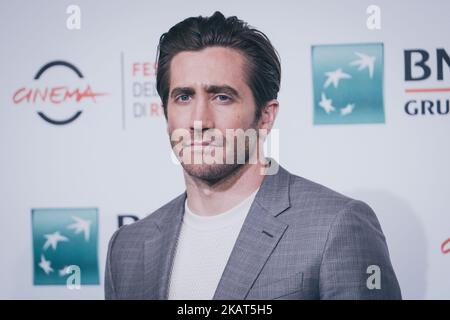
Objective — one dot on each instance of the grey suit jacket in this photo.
(300, 240)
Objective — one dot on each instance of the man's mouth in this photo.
(200, 143)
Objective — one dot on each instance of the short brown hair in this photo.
(263, 68)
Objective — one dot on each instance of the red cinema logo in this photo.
(445, 247)
(57, 95)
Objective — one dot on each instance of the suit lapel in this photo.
(159, 251)
(257, 239)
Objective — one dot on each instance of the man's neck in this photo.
(206, 199)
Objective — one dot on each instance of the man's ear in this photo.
(268, 115)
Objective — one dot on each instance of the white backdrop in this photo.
(116, 157)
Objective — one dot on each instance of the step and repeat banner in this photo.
(364, 110)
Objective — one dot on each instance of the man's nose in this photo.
(202, 114)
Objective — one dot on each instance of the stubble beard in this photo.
(216, 172)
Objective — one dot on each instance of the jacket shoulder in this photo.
(312, 195)
(316, 206)
(142, 229)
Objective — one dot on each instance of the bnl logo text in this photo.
(425, 75)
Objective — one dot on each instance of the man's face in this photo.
(210, 86)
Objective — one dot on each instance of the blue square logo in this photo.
(348, 83)
(64, 239)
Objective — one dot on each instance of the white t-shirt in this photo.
(203, 249)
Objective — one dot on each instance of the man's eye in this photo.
(223, 98)
(183, 98)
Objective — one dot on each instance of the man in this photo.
(242, 229)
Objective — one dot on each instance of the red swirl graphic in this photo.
(444, 245)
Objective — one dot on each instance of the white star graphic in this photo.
(45, 265)
(81, 225)
(326, 104)
(53, 239)
(63, 271)
(348, 109)
(364, 62)
(333, 77)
